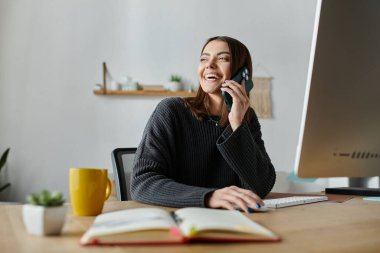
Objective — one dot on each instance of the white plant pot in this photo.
(174, 86)
(40, 220)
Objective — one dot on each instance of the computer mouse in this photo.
(258, 209)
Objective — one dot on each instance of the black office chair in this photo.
(122, 162)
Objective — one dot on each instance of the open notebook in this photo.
(143, 226)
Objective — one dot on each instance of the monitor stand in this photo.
(357, 186)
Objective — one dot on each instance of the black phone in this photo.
(242, 74)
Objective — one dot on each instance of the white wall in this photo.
(51, 54)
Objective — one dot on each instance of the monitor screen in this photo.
(340, 127)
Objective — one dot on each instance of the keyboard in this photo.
(293, 201)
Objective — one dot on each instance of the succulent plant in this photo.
(46, 198)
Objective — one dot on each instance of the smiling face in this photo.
(214, 66)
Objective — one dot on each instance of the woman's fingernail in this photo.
(258, 205)
(249, 210)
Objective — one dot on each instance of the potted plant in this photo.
(3, 161)
(175, 83)
(45, 214)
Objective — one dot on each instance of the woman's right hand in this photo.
(232, 198)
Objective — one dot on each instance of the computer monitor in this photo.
(340, 128)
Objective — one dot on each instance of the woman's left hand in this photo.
(240, 102)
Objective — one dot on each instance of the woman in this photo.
(194, 152)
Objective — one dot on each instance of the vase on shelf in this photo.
(173, 86)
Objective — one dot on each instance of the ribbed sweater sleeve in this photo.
(251, 163)
(181, 159)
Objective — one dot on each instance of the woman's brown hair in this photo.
(240, 57)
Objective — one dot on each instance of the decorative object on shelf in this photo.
(152, 87)
(115, 85)
(98, 87)
(127, 83)
(175, 83)
(110, 84)
(45, 214)
(260, 95)
(3, 161)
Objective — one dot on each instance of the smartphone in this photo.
(242, 74)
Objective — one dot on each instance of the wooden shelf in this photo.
(105, 91)
(145, 93)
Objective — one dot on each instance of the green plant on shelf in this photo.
(175, 78)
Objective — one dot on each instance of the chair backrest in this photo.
(122, 162)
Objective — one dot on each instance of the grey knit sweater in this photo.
(180, 159)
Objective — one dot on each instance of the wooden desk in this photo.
(352, 226)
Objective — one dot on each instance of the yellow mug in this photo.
(89, 188)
